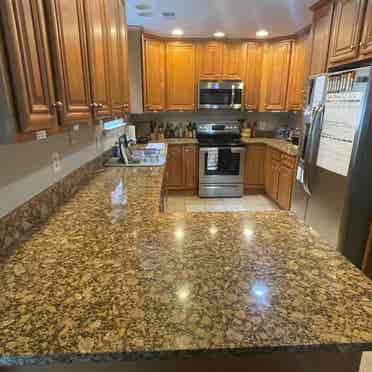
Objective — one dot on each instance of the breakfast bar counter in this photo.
(109, 277)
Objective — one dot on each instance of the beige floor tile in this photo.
(366, 365)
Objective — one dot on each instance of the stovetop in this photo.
(213, 143)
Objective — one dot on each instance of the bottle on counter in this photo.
(194, 130)
(254, 129)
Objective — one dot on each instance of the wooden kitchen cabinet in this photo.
(321, 35)
(154, 74)
(275, 75)
(181, 168)
(210, 60)
(70, 58)
(254, 179)
(180, 87)
(28, 51)
(346, 31)
(174, 167)
(252, 81)
(285, 183)
(123, 45)
(234, 54)
(366, 44)
(98, 56)
(118, 55)
(297, 75)
(189, 165)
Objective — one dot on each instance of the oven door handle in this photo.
(233, 149)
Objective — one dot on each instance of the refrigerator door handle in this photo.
(307, 151)
(313, 146)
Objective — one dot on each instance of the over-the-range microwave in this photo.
(220, 95)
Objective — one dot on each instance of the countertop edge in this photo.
(7, 361)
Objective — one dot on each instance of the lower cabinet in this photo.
(279, 177)
(254, 179)
(181, 169)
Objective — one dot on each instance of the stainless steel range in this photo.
(221, 160)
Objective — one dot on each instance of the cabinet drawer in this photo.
(288, 161)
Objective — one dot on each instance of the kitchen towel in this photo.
(212, 159)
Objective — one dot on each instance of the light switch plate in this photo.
(56, 162)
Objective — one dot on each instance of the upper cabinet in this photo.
(99, 59)
(322, 23)
(70, 61)
(252, 81)
(118, 57)
(210, 60)
(366, 44)
(180, 64)
(346, 31)
(154, 74)
(298, 75)
(275, 76)
(234, 54)
(28, 51)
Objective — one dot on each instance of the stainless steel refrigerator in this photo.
(333, 187)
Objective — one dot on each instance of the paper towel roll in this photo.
(130, 131)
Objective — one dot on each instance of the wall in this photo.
(270, 121)
(26, 169)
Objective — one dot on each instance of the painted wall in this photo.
(26, 169)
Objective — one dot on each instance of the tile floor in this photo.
(254, 203)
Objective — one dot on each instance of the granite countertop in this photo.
(178, 141)
(278, 144)
(109, 277)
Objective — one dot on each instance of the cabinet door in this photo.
(174, 167)
(210, 60)
(189, 166)
(321, 35)
(366, 45)
(116, 62)
(285, 187)
(180, 76)
(297, 76)
(255, 166)
(276, 73)
(123, 59)
(154, 74)
(234, 54)
(30, 66)
(253, 76)
(70, 61)
(95, 16)
(346, 30)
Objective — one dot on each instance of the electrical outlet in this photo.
(56, 162)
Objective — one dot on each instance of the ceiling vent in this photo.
(169, 15)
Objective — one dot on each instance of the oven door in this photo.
(220, 95)
(221, 165)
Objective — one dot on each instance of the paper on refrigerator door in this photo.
(341, 118)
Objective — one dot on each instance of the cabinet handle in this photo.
(96, 105)
(57, 106)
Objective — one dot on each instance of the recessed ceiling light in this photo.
(145, 14)
(262, 33)
(177, 32)
(168, 14)
(219, 34)
(143, 6)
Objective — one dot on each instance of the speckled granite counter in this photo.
(278, 144)
(179, 141)
(111, 278)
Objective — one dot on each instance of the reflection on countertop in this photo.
(110, 277)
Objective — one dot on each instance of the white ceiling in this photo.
(237, 18)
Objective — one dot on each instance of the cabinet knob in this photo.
(57, 106)
(96, 106)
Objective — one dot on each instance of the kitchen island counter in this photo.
(109, 277)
